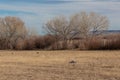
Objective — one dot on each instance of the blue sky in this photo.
(36, 12)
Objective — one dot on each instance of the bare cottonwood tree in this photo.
(11, 30)
(60, 28)
(98, 23)
(86, 23)
(80, 24)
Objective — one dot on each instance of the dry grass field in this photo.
(59, 65)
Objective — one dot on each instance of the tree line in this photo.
(80, 24)
(62, 32)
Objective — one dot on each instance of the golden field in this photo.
(59, 65)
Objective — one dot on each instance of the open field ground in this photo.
(59, 65)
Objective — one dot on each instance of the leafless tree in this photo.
(60, 28)
(80, 24)
(98, 22)
(86, 23)
(89, 25)
(11, 30)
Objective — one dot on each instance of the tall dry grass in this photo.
(111, 42)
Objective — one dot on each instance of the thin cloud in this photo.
(37, 13)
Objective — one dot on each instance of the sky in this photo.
(35, 13)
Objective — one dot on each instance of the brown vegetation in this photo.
(79, 31)
(110, 42)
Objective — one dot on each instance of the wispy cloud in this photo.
(36, 12)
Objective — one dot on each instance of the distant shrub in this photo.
(29, 44)
(95, 44)
(43, 42)
(49, 42)
(109, 43)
